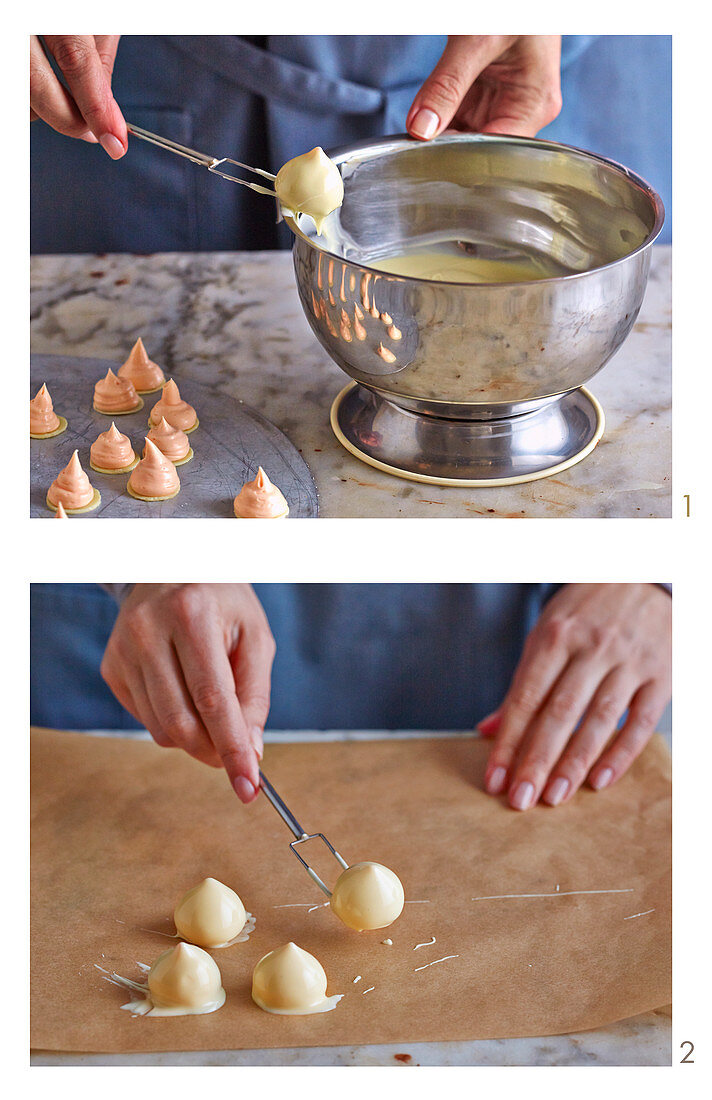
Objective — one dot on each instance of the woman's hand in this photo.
(192, 663)
(86, 108)
(490, 84)
(596, 651)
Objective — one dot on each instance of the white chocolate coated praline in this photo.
(291, 982)
(367, 896)
(310, 184)
(211, 914)
(185, 981)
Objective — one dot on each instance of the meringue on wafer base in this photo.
(44, 421)
(146, 376)
(73, 490)
(172, 442)
(176, 411)
(112, 453)
(155, 478)
(116, 396)
(260, 499)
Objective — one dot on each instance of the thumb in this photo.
(463, 59)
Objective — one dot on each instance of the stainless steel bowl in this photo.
(477, 352)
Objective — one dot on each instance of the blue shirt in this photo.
(351, 656)
(264, 102)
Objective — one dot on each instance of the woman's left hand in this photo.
(490, 84)
(596, 651)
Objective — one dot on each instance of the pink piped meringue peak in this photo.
(260, 499)
(72, 488)
(174, 409)
(111, 452)
(155, 477)
(146, 376)
(43, 419)
(172, 442)
(115, 396)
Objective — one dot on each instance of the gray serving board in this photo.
(230, 442)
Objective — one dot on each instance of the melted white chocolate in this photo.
(368, 895)
(310, 184)
(459, 268)
(210, 915)
(291, 982)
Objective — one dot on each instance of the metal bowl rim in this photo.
(340, 154)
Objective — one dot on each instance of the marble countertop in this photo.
(644, 1040)
(233, 321)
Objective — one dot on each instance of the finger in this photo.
(252, 667)
(544, 659)
(50, 100)
(462, 61)
(175, 713)
(588, 742)
(517, 98)
(133, 698)
(644, 714)
(552, 729)
(209, 679)
(147, 714)
(106, 47)
(90, 86)
(488, 726)
(520, 112)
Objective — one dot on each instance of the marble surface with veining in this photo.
(644, 1040)
(233, 321)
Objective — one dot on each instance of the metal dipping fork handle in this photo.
(205, 159)
(291, 822)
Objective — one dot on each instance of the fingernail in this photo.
(244, 789)
(425, 123)
(523, 796)
(111, 145)
(557, 791)
(496, 781)
(602, 779)
(256, 738)
(88, 136)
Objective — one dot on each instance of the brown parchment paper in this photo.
(121, 829)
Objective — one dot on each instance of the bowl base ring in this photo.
(467, 453)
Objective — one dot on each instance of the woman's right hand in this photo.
(86, 107)
(193, 663)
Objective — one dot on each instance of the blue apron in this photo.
(264, 102)
(369, 656)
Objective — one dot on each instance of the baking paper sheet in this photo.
(121, 829)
